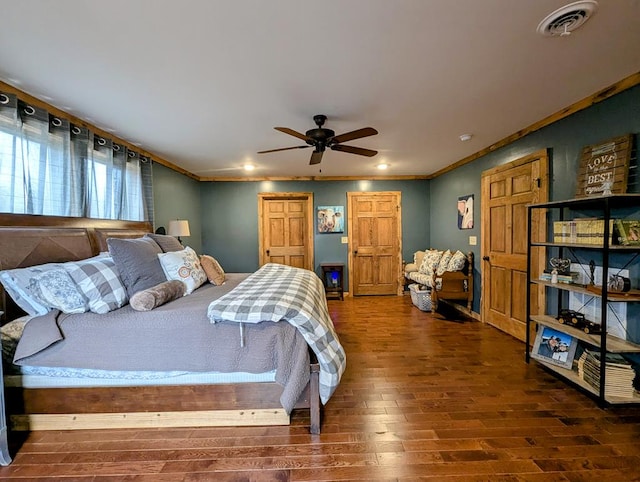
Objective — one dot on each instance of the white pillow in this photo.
(183, 266)
(457, 262)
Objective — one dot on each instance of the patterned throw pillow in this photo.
(444, 262)
(457, 262)
(57, 290)
(183, 266)
(214, 271)
(99, 281)
(430, 262)
(21, 284)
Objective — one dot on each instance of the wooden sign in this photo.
(604, 168)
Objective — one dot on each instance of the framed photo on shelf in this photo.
(555, 347)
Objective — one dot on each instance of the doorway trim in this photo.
(350, 196)
(308, 197)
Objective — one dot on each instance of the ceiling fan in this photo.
(321, 139)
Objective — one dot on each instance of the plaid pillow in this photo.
(99, 281)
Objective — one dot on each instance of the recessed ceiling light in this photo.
(249, 167)
(382, 166)
(466, 137)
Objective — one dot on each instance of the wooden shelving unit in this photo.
(605, 208)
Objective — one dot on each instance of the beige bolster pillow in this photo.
(157, 295)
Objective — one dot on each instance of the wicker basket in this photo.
(420, 298)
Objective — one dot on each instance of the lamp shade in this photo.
(179, 227)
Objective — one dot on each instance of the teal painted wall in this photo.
(230, 217)
(224, 215)
(565, 140)
(177, 196)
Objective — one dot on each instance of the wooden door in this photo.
(375, 239)
(286, 229)
(506, 191)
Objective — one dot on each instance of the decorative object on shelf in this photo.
(628, 232)
(590, 303)
(561, 265)
(604, 168)
(577, 320)
(179, 227)
(555, 347)
(330, 219)
(465, 212)
(619, 283)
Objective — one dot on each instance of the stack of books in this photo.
(619, 373)
(572, 277)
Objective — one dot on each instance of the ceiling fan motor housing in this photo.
(319, 136)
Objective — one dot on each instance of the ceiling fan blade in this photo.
(293, 133)
(316, 157)
(283, 149)
(354, 150)
(358, 134)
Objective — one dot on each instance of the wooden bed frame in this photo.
(27, 240)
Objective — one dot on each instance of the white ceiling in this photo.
(202, 83)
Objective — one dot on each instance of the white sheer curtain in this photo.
(50, 167)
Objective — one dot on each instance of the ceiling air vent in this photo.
(567, 19)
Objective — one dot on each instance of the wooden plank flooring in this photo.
(423, 398)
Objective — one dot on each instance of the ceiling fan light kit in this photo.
(322, 138)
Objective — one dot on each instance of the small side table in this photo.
(333, 279)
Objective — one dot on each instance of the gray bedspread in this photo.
(175, 336)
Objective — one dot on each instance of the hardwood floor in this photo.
(423, 398)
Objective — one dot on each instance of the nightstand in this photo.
(333, 279)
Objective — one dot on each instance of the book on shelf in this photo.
(619, 373)
(570, 278)
(582, 231)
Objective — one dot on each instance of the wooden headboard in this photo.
(28, 240)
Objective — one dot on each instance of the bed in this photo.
(182, 390)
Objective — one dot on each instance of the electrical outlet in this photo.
(473, 240)
(344, 240)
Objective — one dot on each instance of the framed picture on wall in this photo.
(330, 219)
(465, 212)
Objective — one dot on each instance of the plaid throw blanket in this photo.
(277, 292)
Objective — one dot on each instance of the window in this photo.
(51, 167)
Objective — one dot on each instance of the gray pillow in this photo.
(137, 261)
(167, 243)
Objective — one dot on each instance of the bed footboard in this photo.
(219, 405)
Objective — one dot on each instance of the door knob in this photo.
(485, 258)
(355, 253)
(267, 252)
